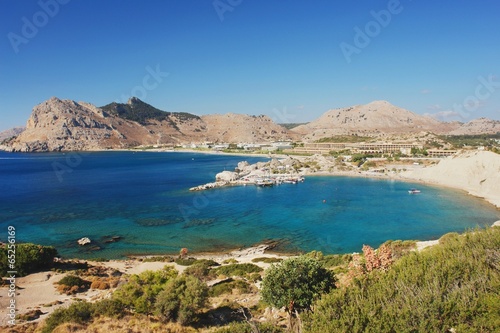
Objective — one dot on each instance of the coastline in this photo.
(406, 176)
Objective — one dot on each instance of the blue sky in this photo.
(291, 60)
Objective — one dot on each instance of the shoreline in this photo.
(404, 176)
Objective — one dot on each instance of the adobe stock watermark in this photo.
(151, 80)
(483, 91)
(364, 36)
(30, 27)
(282, 116)
(201, 199)
(70, 162)
(223, 6)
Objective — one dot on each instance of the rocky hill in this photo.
(243, 128)
(478, 126)
(374, 119)
(15, 131)
(62, 125)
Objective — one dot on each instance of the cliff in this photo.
(476, 172)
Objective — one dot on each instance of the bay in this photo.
(144, 199)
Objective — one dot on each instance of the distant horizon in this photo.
(291, 62)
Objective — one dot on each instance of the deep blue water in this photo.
(143, 197)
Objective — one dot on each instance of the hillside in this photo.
(243, 128)
(477, 172)
(478, 126)
(373, 119)
(142, 113)
(64, 125)
(7, 134)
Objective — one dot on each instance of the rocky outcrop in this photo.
(226, 176)
(373, 119)
(478, 126)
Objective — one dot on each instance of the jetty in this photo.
(262, 174)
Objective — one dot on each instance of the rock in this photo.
(496, 224)
(84, 241)
(226, 176)
(243, 165)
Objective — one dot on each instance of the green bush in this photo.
(78, 313)
(295, 283)
(181, 299)
(201, 269)
(451, 285)
(139, 293)
(29, 258)
(108, 308)
(71, 284)
(72, 281)
(267, 260)
(241, 270)
(329, 261)
(83, 312)
(185, 261)
(228, 287)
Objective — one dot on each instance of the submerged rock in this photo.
(84, 241)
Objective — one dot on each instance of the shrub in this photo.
(201, 269)
(83, 312)
(228, 287)
(181, 299)
(443, 287)
(295, 283)
(230, 261)
(72, 284)
(267, 260)
(30, 258)
(241, 270)
(139, 293)
(108, 308)
(79, 313)
(185, 261)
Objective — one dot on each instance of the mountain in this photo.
(7, 134)
(373, 119)
(243, 128)
(478, 126)
(63, 125)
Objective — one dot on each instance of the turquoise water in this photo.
(55, 199)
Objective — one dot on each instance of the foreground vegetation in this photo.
(455, 285)
(29, 258)
(451, 287)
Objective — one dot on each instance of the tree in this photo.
(30, 258)
(294, 284)
(181, 299)
(140, 292)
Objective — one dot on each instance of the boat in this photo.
(290, 181)
(413, 191)
(264, 182)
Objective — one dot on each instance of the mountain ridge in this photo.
(64, 125)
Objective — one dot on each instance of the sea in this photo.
(139, 203)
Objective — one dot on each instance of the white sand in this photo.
(476, 172)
